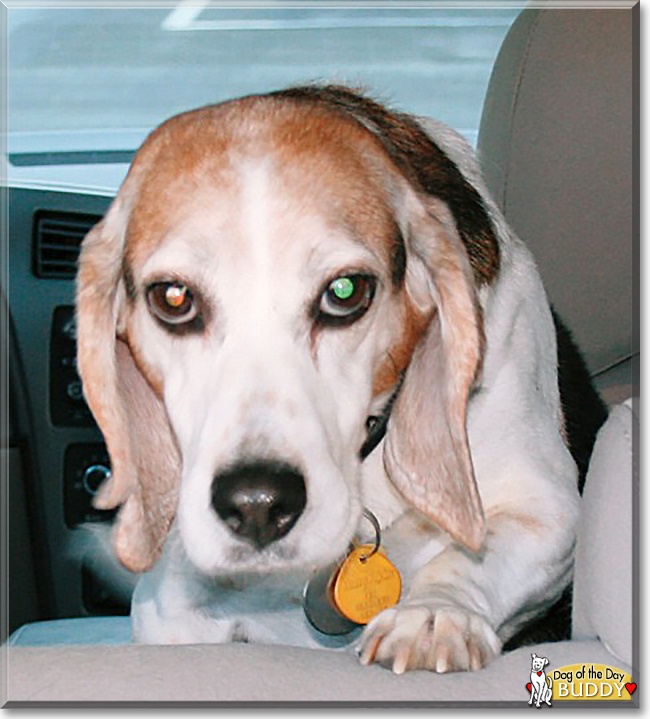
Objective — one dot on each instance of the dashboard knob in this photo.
(74, 390)
(94, 476)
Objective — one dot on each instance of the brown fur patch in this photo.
(423, 163)
(399, 355)
(335, 166)
(187, 153)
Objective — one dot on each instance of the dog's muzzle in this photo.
(259, 501)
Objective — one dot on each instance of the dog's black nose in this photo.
(259, 501)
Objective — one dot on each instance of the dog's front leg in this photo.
(460, 607)
(168, 608)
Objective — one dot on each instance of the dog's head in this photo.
(270, 271)
(538, 663)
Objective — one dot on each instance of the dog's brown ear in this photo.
(426, 452)
(145, 466)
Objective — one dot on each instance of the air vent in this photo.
(57, 238)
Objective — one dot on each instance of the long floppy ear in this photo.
(145, 465)
(426, 452)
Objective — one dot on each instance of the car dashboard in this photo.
(60, 457)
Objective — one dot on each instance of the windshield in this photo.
(97, 69)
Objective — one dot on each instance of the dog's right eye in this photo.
(172, 302)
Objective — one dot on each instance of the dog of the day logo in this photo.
(539, 686)
(577, 682)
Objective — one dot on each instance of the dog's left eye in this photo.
(172, 302)
(346, 298)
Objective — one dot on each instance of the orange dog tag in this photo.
(366, 584)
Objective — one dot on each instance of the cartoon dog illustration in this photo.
(540, 689)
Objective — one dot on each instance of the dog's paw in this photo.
(417, 636)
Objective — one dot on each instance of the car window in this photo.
(131, 67)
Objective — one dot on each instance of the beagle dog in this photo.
(301, 306)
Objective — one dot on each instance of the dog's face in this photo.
(262, 270)
(538, 663)
(262, 362)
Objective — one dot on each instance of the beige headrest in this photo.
(556, 147)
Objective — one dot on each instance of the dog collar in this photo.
(376, 424)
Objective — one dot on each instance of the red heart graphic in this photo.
(529, 686)
(630, 688)
(539, 674)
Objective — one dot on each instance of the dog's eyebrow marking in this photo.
(398, 259)
(129, 281)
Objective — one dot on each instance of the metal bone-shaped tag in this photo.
(345, 595)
